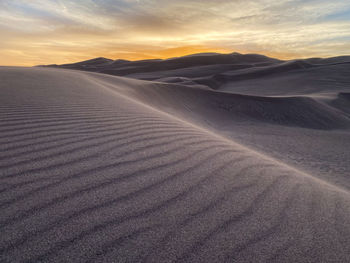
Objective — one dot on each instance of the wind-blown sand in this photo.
(97, 168)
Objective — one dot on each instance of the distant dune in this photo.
(221, 69)
(219, 158)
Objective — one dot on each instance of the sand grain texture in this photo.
(97, 168)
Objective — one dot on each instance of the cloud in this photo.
(58, 31)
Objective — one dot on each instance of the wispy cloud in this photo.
(59, 31)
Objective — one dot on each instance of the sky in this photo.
(62, 31)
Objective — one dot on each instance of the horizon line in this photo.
(174, 57)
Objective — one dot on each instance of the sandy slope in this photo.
(96, 168)
(306, 132)
(304, 104)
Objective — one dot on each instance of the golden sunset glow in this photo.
(46, 32)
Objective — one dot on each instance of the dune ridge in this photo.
(216, 71)
(104, 169)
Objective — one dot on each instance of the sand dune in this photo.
(97, 168)
(303, 126)
(158, 66)
(250, 74)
